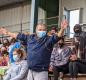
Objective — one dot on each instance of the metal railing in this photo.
(25, 26)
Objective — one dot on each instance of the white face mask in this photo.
(16, 58)
(41, 34)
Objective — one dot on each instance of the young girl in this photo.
(18, 70)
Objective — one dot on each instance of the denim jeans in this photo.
(57, 69)
(76, 67)
(73, 69)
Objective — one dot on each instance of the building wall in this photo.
(14, 16)
(74, 4)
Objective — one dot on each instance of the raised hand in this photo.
(6, 32)
(3, 31)
(64, 24)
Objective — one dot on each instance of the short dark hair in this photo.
(54, 28)
(62, 38)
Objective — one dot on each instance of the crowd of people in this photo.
(4, 58)
(69, 60)
(32, 56)
(7, 46)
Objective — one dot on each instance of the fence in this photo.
(24, 27)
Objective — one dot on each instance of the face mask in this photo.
(16, 58)
(77, 31)
(41, 34)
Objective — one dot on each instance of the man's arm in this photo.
(6, 32)
(19, 36)
(64, 25)
(55, 38)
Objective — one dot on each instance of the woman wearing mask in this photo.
(18, 70)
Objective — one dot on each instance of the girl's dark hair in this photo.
(13, 40)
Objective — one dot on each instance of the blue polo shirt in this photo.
(38, 50)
